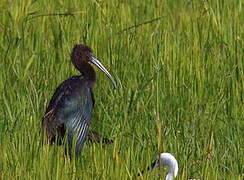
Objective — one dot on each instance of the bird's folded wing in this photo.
(78, 125)
(50, 124)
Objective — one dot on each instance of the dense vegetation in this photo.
(180, 69)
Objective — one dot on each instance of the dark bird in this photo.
(70, 108)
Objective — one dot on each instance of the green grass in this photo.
(181, 86)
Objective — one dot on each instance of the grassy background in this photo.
(181, 86)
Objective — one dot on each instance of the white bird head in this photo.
(169, 160)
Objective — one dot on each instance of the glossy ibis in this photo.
(70, 108)
(168, 160)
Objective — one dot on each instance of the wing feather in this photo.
(70, 111)
(52, 126)
(78, 125)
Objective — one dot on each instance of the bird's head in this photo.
(83, 53)
(165, 159)
(170, 161)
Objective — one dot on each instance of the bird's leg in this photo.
(93, 136)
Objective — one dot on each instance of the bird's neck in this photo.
(169, 176)
(87, 72)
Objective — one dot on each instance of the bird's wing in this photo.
(61, 91)
(70, 111)
(79, 121)
(50, 122)
(51, 125)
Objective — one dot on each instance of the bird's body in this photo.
(70, 108)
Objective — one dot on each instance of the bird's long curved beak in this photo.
(102, 68)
